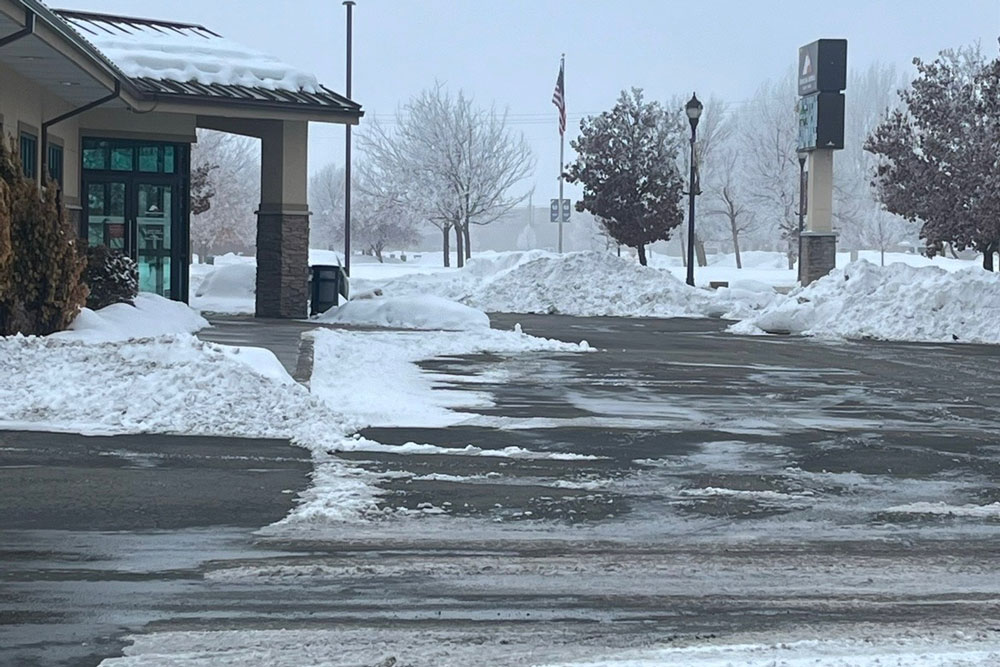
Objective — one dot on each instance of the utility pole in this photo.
(347, 158)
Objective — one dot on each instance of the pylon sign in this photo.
(821, 121)
(823, 66)
(822, 74)
(555, 210)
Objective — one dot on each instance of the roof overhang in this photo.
(61, 61)
(48, 59)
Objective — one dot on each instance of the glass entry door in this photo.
(136, 202)
(154, 215)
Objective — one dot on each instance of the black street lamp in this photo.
(693, 109)
(802, 202)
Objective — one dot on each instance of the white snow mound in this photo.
(171, 384)
(895, 302)
(231, 288)
(579, 283)
(408, 312)
(152, 315)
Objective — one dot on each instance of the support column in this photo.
(283, 222)
(819, 242)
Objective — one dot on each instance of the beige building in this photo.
(108, 106)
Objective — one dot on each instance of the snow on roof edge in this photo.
(183, 53)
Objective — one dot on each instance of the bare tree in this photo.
(860, 219)
(456, 163)
(768, 138)
(727, 199)
(232, 166)
(380, 216)
(326, 200)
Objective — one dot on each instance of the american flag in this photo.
(559, 99)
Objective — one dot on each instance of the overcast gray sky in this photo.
(507, 51)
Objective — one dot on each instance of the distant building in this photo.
(108, 107)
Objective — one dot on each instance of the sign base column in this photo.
(819, 255)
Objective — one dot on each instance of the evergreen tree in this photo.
(938, 155)
(43, 289)
(627, 164)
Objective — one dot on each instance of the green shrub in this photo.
(43, 288)
(112, 276)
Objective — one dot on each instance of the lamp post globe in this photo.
(693, 110)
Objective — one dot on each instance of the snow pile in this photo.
(580, 283)
(231, 288)
(374, 377)
(190, 54)
(152, 315)
(409, 312)
(590, 283)
(172, 384)
(895, 302)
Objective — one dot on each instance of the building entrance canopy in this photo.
(115, 79)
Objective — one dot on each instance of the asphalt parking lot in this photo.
(678, 485)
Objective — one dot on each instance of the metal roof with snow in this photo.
(185, 62)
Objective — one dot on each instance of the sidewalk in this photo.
(283, 337)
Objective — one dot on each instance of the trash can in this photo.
(326, 284)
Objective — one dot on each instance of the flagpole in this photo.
(562, 147)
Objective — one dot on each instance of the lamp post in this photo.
(693, 109)
(802, 202)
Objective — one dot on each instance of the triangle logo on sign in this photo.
(807, 66)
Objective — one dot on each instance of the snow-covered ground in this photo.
(873, 651)
(291, 648)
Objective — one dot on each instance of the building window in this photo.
(29, 154)
(56, 163)
(126, 155)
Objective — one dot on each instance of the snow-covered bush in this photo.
(113, 277)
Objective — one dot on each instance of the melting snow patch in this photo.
(359, 444)
(740, 494)
(991, 511)
(374, 377)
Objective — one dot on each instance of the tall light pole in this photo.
(693, 109)
(802, 202)
(347, 157)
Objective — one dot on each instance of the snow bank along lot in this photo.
(912, 298)
(895, 302)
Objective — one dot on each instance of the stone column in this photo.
(283, 222)
(819, 242)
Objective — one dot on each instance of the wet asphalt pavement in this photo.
(679, 485)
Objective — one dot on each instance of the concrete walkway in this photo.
(283, 337)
